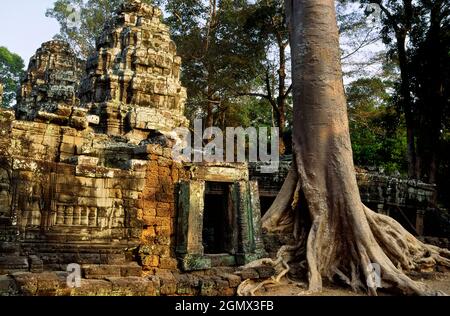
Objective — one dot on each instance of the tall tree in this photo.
(377, 132)
(430, 83)
(11, 70)
(397, 18)
(268, 22)
(219, 56)
(362, 49)
(407, 26)
(337, 236)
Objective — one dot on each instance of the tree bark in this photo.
(281, 100)
(406, 104)
(337, 236)
(433, 101)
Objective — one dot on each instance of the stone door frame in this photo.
(245, 197)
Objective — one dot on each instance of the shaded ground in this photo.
(437, 281)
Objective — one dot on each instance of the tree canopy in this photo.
(11, 70)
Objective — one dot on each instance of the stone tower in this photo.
(51, 81)
(133, 80)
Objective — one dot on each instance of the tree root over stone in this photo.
(356, 245)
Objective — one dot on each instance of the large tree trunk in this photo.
(342, 238)
(434, 101)
(281, 100)
(406, 103)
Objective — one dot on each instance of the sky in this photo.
(24, 26)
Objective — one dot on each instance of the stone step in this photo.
(12, 264)
(36, 264)
(102, 271)
(9, 248)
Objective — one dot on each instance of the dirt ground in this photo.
(437, 281)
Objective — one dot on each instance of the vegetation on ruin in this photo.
(11, 70)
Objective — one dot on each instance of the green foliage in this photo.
(416, 34)
(220, 56)
(11, 70)
(249, 111)
(81, 30)
(377, 133)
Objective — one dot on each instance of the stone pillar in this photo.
(190, 226)
(249, 223)
(420, 215)
(60, 215)
(84, 217)
(77, 216)
(257, 224)
(93, 217)
(68, 218)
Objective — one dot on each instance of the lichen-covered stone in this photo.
(133, 80)
(51, 81)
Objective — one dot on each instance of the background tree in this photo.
(11, 70)
(337, 236)
(268, 23)
(362, 50)
(377, 132)
(219, 55)
(419, 28)
(430, 84)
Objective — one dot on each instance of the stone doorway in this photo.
(219, 218)
(266, 203)
(219, 226)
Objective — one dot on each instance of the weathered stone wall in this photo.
(133, 81)
(94, 182)
(214, 282)
(51, 81)
(62, 203)
(158, 210)
(86, 191)
(376, 188)
(405, 200)
(74, 187)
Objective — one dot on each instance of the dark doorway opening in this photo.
(265, 203)
(219, 227)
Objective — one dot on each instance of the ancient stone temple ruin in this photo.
(51, 83)
(87, 177)
(133, 81)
